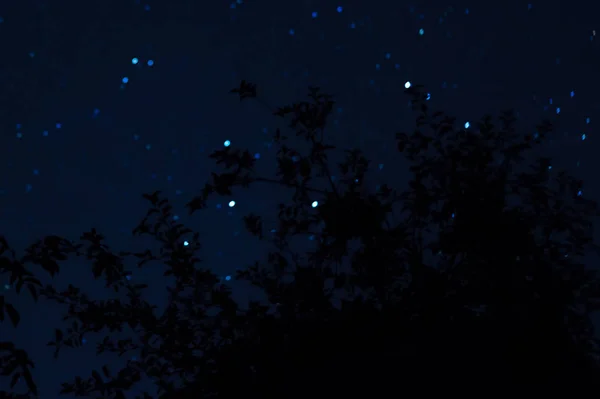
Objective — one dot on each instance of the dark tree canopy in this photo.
(471, 279)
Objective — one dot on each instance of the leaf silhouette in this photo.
(13, 314)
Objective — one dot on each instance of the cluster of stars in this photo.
(135, 63)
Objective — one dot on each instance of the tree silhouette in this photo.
(472, 277)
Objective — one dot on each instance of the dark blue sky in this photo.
(78, 146)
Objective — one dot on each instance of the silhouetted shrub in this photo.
(472, 277)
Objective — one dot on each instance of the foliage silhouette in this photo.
(472, 276)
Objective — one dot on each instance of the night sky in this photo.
(101, 101)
